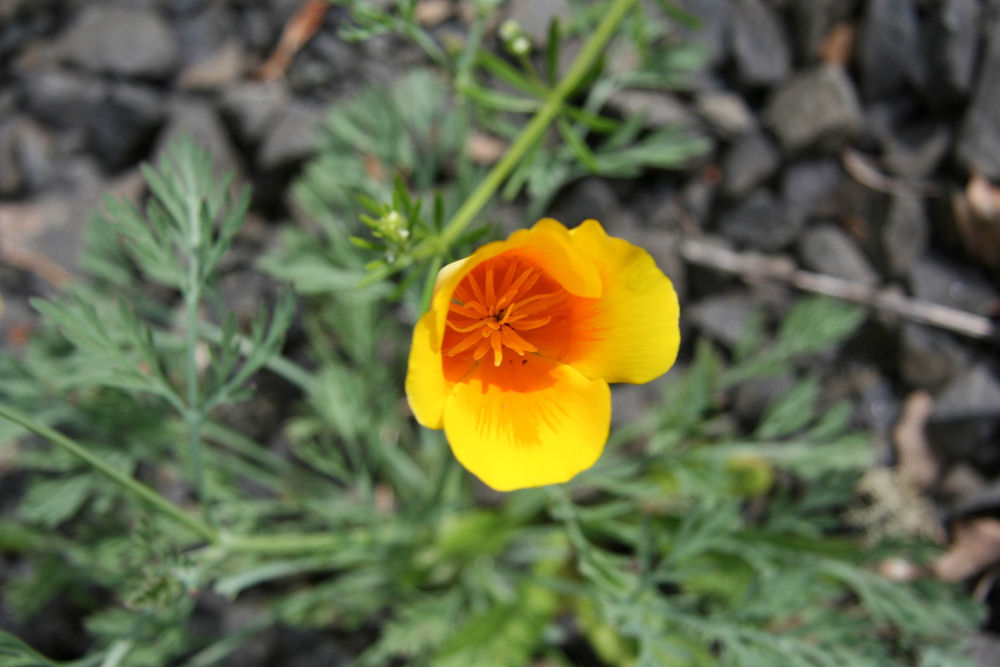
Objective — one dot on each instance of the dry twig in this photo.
(754, 266)
(299, 30)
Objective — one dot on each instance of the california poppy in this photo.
(514, 356)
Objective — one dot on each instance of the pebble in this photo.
(760, 47)
(10, 171)
(979, 138)
(657, 109)
(723, 317)
(916, 151)
(713, 33)
(818, 105)
(251, 106)
(725, 112)
(62, 98)
(826, 249)
(928, 358)
(954, 30)
(198, 119)
(292, 137)
(807, 182)
(748, 163)
(122, 40)
(905, 233)
(935, 279)
(759, 222)
(888, 44)
(966, 417)
(124, 125)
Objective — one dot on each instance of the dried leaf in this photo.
(299, 30)
(432, 12)
(898, 569)
(838, 45)
(977, 219)
(916, 461)
(485, 149)
(975, 546)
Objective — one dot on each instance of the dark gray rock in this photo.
(876, 405)
(957, 286)
(35, 155)
(124, 125)
(251, 107)
(534, 16)
(630, 402)
(889, 49)
(984, 649)
(916, 150)
(724, 317)
(759, 222)
(725, 112)
(221, 68)
(202, 34)
(63, 98)
(182, 7)
(199, 120)
(826, 249)
(585, 199)
(965, 419)
(120, 40)
(292, 138)
(697, 197)
(11, 179)
(815, 106)
(978, 146)
(715, 17)
(805, 183)
(9, 101)
(760, 49)
(954, 38)
(657, 109)
(905, 233)
(748, 163)
(254, 24)
(928, 358)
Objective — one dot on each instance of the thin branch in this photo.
(753, 266)
(132, 485)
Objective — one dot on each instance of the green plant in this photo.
(695, 540)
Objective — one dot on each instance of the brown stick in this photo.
(299, 29)
(751, 265)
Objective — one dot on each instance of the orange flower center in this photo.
(502, 305)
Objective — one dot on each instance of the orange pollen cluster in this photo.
(491, 315)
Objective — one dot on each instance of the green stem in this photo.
(277, 363)
(282, 543)
(137, 488)
(533, 131)
(194, 415)
(432, 271)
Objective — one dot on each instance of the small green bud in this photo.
(510, 30)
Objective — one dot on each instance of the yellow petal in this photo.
(631, 333)
(426, 386)
(541, 427)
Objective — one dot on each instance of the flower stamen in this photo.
(492, 309)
